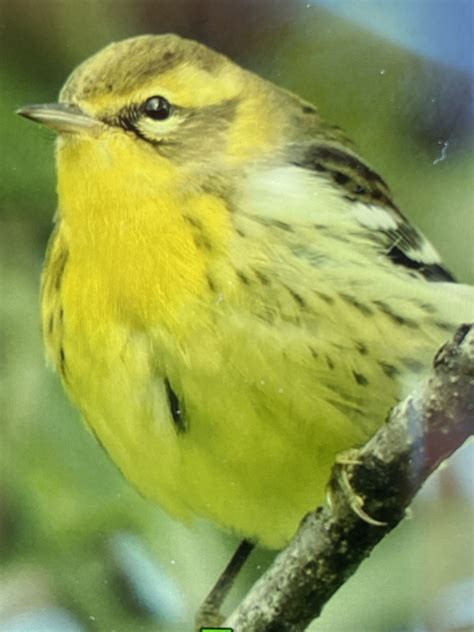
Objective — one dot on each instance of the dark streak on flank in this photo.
(243, 277)
(240, 232)
(62, 361)
(282, 225)
(266, 318)
(413, 365)
(263, 278)
(390, 370)
(341, 238)
(308, 254)
(194, 221)
(396, 318)
(361, 348)
(361, 307)
(62, 266)
(299, 299)
(314, 353)
(360, 378)
(444, 326)
(329, 362)
(266, 315)
(51, 323)
(349, 411)
(211, 284)
(265, 221)
(426, 307)
(202, 242)
(325, 297)
(175, 407)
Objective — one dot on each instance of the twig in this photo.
(382, 477)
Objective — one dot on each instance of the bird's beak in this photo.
(62, 117)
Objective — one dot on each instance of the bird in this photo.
(231, 296)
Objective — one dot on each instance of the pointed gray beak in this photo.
(62, 117)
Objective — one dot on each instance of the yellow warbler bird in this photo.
(230, 295)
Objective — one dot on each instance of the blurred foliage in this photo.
(79, 549)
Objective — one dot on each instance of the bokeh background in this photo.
(79, 549)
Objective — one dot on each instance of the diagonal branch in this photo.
(422, 431)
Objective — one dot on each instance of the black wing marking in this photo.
(402, 244)
(430, 271)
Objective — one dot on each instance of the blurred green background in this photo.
(79, 549)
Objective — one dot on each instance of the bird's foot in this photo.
(344, 461)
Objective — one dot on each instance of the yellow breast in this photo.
(150, 309)
(129, 306)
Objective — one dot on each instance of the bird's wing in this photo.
(334, 277)
(330, 187)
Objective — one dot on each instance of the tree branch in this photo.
(422, 431)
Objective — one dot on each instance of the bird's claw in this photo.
(355, 501)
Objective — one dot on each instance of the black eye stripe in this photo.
(126, 118)
(129, 117)
(156, 108)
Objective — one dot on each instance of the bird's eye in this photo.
(157, 108)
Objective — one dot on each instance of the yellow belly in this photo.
(280, 344)
(262, 428)
(268, 399)
(243, 461)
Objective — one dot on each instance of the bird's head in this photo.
(175, 103)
